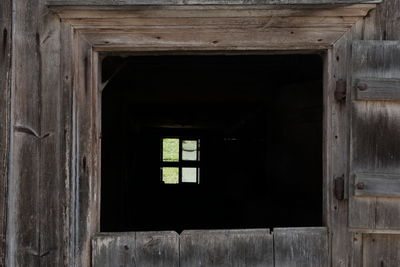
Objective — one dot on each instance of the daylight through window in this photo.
(180, 160)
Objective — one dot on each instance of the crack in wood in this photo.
(32, 132)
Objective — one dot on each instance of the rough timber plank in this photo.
(226, 11)
(375, 131)
(337, 147)
(378, 89)
(226, 248)
(383, 23)
(24, 198)
(136, 249)
(216, 39)
(301, 247)
(207, 2)
(36, 203)
(5, 75)
(381, 250)
(377, 185)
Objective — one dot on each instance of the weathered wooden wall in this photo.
(381, 249)
(33, 116)
(37, 230)
(5, 78)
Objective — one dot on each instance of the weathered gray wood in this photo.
(207, 2)
(336, 146)
(116, 249)
(226, 248)
(306, 247)
(136, 249)
(36, 213)
(5, 78)
(383, 23)
(24, 208)
(381, 250)
(375, 131)
(377, 89)
(157, 249)
(377, 185)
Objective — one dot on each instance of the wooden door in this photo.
(284, 247)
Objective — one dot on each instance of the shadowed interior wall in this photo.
(259, 119)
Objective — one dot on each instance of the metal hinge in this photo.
(339, 188)
(340, 91)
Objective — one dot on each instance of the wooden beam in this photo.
(5, 74)
(205, 2)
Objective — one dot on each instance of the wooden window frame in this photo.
(88, 34)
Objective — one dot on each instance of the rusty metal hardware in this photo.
(360, 186)
(340, 91)
(339, 188)
(362, 86)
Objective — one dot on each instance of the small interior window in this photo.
(180, 161)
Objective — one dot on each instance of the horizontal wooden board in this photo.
(300, 247)
(136, 249)
(377, 89)
(226, 248)
(206, 2)
(377, 185)
(216, 39)
(212, 12)
(245, 23)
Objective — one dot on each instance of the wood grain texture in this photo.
(377, 185)
(226, 248)
(375, 128)
(336, 145)
(377, 89)
(136, 249)
(36, 215)
(207, 2)
(380, 250)
(5, 78)
(299, 247)
(383, 23)
(219, 11)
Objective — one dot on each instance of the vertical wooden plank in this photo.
(114, 249)
(381, 250)
(306, 247)
(24, 197)
(158, 249)
(204, 248)
(226, 248)
(337, 145)
(36, 214)
(356, 252)
(66, 79)
(85, 212)
(251, 248)
(5, 74)
(382, 23)
(52, 216)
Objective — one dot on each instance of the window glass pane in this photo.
(170, 151)
(170, 175)
(189, 175)
(189, 150)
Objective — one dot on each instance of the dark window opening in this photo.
(259, 120)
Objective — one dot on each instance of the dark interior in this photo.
(259, 119)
